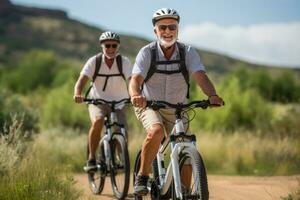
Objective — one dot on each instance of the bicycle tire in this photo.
(96, 179)
(198, 169)
(120, 166)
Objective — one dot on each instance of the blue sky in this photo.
(260, 31)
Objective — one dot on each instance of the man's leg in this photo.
(94, 136)
(155, 135)
(97, 119)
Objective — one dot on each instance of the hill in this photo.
(26, 28)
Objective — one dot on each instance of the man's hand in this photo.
(78, 98)
(138, 101)
(215, 100)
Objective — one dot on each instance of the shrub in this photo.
(244, 109)
(59, 109)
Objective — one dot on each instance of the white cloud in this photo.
(275, 44)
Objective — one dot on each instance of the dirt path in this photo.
(221, 187)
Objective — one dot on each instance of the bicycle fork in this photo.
(176, 149)
(107, 151)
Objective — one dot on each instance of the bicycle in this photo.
(165, 184)
(113, 157)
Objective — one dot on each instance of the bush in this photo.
(11, 105)
(36, 69)
(59, 109)
(244, 109)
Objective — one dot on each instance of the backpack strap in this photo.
(97, 66)
(152, 68)
(182, 65)
(97, 69)
(120, 65)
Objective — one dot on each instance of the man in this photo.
(108, 83)
(166, 82)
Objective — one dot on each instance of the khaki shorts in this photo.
(103, 110)
(165, 117)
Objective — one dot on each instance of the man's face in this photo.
(166, 30)
(110, 48)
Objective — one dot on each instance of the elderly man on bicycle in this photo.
(108, 71)
(161, 72)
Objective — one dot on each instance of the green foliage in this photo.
(246, 153)
(35, 180)
(36, 69)
(285, 89)
(244, 108)
(282, 88)
(288, 124)
(59, 109)
(11, 105)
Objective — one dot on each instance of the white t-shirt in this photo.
(116, 87)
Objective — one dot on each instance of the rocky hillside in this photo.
(26, 28)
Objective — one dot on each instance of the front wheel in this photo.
(120, 166)
(193, 176)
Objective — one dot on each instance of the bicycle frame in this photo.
(109, 123)
(165, 177)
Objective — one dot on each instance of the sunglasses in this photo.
(171, 27)
(107, 46)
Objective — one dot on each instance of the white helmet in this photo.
(165, 13)
(108, 35)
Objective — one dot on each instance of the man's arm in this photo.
(207, 87)
(135, 85)
(81, 82)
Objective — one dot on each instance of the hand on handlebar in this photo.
(215, 101)
(78, 98)
(138, 101)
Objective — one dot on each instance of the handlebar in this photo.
(156, 105)
(103, 101)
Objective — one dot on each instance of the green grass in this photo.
(241, 153)
(26, 174)
(34, 180)
(249, 154)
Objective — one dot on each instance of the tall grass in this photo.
(24, 174)
(245, 153)
(63, 147)
(238, 153)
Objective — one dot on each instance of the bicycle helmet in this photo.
(108, 35)
(165, 13)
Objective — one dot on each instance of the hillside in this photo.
(26, 28)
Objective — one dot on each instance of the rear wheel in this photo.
(97, 178)
(193, 176)
(120, 167)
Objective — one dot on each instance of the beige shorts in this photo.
(104, 110)
(165, 117)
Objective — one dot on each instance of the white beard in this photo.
(165, 43)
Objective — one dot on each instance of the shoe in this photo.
(140, 185)
(91, 165)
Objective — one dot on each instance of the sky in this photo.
(258, 31)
